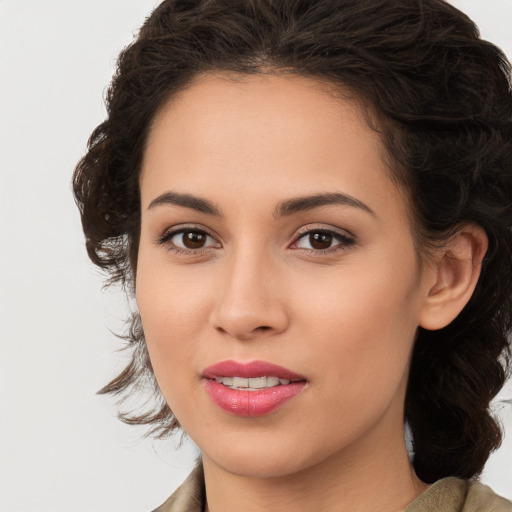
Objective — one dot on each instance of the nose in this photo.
(250, 302)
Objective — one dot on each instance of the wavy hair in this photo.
(442, 101)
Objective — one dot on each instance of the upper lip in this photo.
(249, 369)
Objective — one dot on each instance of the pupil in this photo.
(193, 240)
(320, 240)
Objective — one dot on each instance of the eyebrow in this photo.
(283, 209)
(186, 200)
(300, 204)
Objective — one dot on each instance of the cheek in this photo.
(377, 295)
(173, 312)
(170, 319)
(364, 318)
(170, 299)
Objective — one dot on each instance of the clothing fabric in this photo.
(446, 495)
(456, 495)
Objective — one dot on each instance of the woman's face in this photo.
(272, 235)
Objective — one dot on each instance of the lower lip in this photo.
(251, 403)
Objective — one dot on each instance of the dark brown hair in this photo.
(443, 103)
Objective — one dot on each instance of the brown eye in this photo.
(323, 240)
(189, 240)
(193, 239)
(320, 240)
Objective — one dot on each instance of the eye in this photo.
(188, 239)
(323, 240)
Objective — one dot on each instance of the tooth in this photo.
(227, 381)
(258, 382)
(253, 383)
(240, 382)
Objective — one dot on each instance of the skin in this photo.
(259, 290)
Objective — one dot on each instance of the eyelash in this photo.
(344, 240)
(166, 237)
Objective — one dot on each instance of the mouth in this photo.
(253, 383)
(251, 389)
(252, 370)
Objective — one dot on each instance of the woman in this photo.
(312, 203)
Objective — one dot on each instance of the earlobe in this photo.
(454, 277)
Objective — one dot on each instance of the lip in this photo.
(251, 403)
(250, 369)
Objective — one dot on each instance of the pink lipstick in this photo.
(251, 389)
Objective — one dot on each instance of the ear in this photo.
(454, 275)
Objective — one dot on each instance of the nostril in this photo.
(262, 329)
(243, 320)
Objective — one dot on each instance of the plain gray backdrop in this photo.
(61, 448)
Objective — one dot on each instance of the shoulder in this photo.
(482, 498)
(446, 495)
(188, 497)
(456, 495)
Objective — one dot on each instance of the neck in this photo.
(380, 478)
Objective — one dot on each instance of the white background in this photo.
(61, 448)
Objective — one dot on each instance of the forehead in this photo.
(257, 107)
(267, 135)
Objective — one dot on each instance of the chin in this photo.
(275, 460)
(260, 467)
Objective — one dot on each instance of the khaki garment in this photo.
(446, 495)
(456, 495)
